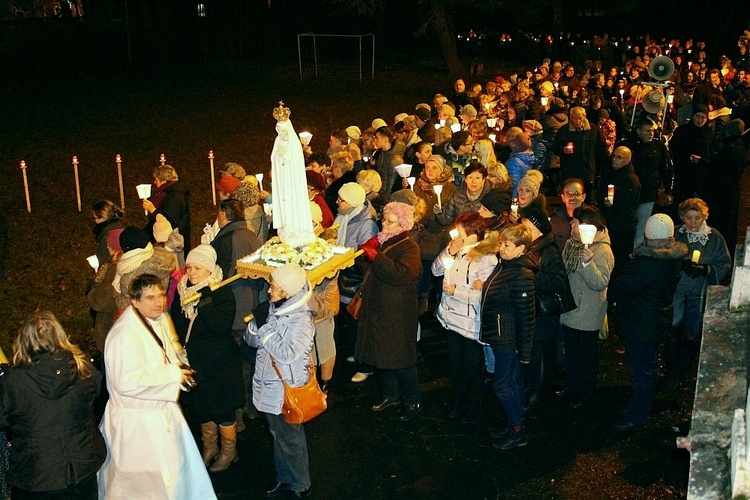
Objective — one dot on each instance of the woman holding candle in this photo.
(588, 266)
(107, 217)
(387, 336)
(171, 199)
(641, 300)
(467, 196)
(508, 316)
(435, 235)
(465, 263)
(707, 263)
(529, 197)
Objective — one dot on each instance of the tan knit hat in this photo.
(162, 229)
(290, 277)
(533, 180)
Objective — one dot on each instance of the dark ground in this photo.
(354, 453)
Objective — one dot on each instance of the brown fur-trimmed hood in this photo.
(488, 246)
(666, 248)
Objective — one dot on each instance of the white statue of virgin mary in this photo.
(291, 205)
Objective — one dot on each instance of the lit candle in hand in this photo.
(438, 189)
(696, 257)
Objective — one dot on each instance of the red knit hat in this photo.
(227, 183)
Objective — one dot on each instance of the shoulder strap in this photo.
(150, 329)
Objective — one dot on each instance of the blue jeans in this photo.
(643, 213)
(289, 453)
(489, 359)
(403, 382)
(642, 363)
(508, 383)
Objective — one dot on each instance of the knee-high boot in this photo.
(209, 436)
(228, 453)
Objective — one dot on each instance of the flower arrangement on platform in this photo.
(276, 253)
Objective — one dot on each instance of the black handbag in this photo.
(350, 280)
(553, 304)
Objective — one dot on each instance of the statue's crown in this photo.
(281, 113)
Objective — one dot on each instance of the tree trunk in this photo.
(447, 38)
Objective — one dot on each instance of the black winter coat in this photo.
(550, 279)
(589, 154)
(55, 440)
(213, 354)
(622, 215)
(509, 307)
(641, 295)
(175, 207)
(387, 335)
(652, 165)
(689, 140)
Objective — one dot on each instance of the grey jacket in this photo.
(288, 337)
(589, 287)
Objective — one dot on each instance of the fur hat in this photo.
(532, 127)
(533, 180)
(352, 193)
(315, 180)
(354, 132)
(422, 111)
(659, 227)
(469, 111)
(405, 196)
(537, 217)
(403, 212)
(162, 229)
(378, 122)
(132, 238)
(735, 128)
(113, 239)
(227, 183)
(203, 255)
(290, 277)
(496, 201)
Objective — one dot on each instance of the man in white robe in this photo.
(151, 453)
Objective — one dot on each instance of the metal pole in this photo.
(299, 54)
(360, 59)
(373, 56)
(315, 54)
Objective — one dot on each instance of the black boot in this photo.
(672, 361)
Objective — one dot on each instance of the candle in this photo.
(260, 180)
(162, 159)
(213, 175)
(78, 185)
(569, 148)
(411, 181)
(26, 186)
(118, 160)
(454, 233)
(587, 232)
(611, 193)
(144, 191)
(514, 206)
(437, 126)
(456, 127)
(493, 137)
(545, 101)
(696, 256)
(438, 189)
(670, 98)
(448, 263)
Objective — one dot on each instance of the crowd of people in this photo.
(464, 231)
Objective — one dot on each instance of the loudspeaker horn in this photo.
(661, 68)
(654, 101)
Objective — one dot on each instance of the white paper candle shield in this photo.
(260, 178)
(438, 189)
(305, 138)
(491, 122)
(93, 261)
(403, 170)
(456, 127)
(144, 191)
(454, 233)
(411, 181)
(587, 232)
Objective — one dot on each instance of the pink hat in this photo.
(113, 239)
(402, 211)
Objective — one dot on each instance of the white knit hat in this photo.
(162, 229)
(659, 227)
(353, 194)
(378, 122)
(353, 132)
(290, 277)
(203, 255)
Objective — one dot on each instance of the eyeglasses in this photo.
(573, 195)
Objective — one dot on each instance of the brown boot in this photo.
(210, 437)
(228, 453)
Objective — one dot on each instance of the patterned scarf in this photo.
(571, 254)
(701, 235)
(185, 291)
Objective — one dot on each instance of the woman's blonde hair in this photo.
(166, 173)
(44, 333)
(518, 234)
(693, 204)
(370, 180)
(343, 160)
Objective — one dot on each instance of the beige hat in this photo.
(290, 277)
(400, 117)
(533, 179)
(549, 87)
(469, 111)
(659, 227)
(353, 132)
(203, 255)
(162, 229)
(378, 122)
(352, 193)
(532, 127)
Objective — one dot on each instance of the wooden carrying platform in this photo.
(315, 276)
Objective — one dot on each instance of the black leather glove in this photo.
(696, 270)
(260, 313)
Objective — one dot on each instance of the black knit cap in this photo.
(538, 218)
(496, 201)
(132, 238)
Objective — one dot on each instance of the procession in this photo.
(520, 219)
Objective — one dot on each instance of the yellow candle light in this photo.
(696, 256)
